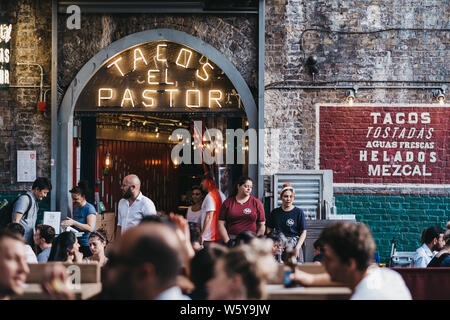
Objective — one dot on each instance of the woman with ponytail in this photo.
(289, 220)
(83, 217)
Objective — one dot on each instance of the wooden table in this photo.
(279, 292)
(85, 291)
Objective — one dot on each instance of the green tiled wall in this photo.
(401, 216)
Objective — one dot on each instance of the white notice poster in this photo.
(52, 218)
(26, 165)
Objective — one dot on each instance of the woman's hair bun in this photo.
(287, 184)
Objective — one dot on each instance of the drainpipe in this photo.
(41, 85)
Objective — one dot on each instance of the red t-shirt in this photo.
(241, 217)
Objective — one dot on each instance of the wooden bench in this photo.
(307, 267)
(87, 275)
(89, 272)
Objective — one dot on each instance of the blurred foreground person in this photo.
(20, 230)
(13, 264)
(243, 271)
(144, 264)
(202, 269)
(348, 252)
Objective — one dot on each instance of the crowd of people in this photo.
(223, 249)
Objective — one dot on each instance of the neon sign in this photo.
(159, 75)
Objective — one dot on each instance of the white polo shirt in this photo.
(381, 284)
(130, 216)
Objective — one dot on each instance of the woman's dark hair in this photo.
(16, 227)
(240, 182)
(82, 189)
(244, 237)
(202, 264)
(277, 237)
(99, 234)
(41, 184)
(61, 246)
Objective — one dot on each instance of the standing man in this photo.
(13, 264)
(433, 240)
(210, 209)
(43, 238)
(133, 206)
(41, 187)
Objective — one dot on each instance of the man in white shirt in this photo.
(432, 240)
(210, 209)
(134, 205)
(348, 254)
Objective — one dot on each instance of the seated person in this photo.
(432, 240)
(441, 256)
(348, 256)
(43, 238)
(318, 252)
(20, 230)
(97, 244)
(66, 248)
(279, 244)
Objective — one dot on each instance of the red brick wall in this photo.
(385, 144)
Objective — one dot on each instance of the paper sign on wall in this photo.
(26, 165)
(52, 218)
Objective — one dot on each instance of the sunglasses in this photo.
(196, 194)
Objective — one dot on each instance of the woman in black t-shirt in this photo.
(289, 220)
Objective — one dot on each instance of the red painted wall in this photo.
(385, 144)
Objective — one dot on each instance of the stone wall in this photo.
(235, 36)
(369, 47)
(22, 126)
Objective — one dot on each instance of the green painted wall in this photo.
(401, 216)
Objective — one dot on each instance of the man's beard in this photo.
(437, 247)
(127, 194)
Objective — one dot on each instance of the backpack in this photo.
(6, 211)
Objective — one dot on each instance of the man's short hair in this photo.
(430, 233)
(42, 183)
(16, 227)
(350, 241)
(6, 233)
(318, 245)
(46, 232)
(166, 260)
